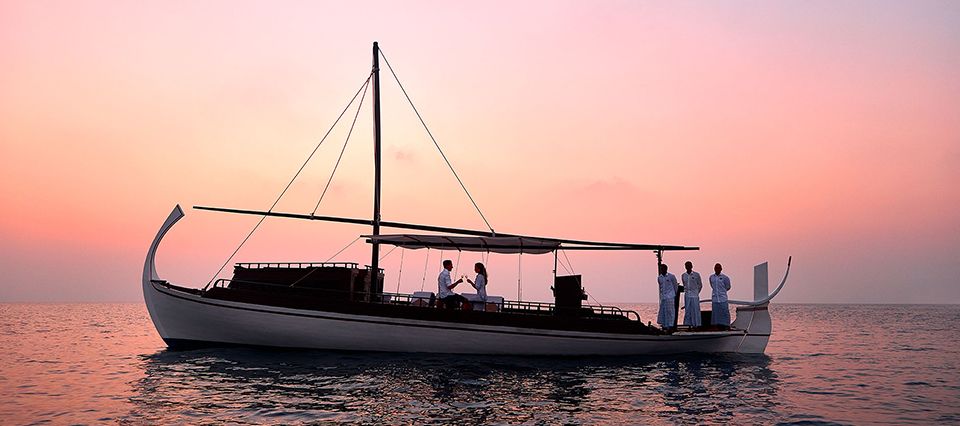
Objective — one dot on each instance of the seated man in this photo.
(451, 300)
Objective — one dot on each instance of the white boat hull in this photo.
(184, 318)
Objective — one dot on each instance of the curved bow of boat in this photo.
(760, 286)
(150, 268)
(754, 316)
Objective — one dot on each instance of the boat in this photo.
(337, 305)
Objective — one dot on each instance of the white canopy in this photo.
(505, 245)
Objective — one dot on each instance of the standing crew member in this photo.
(667, 316)
(720, 284)
(676, 304)
(691, 301)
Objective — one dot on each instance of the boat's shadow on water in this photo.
(238, 384)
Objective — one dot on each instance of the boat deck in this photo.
(540, 315)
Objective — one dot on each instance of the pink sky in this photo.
(824, 130)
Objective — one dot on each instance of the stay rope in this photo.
(337, 254)
(573, 272)
(325, 261)
(341, 250)
(295, 176)
(560, 262)
(388, 253)
(435, 143)
(344, 149)
(568, 261)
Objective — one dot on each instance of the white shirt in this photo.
(443, 284)
(720, 285)
(668, 286)
(481, 284)
(692, 284)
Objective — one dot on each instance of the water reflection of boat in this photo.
(343, 306)
(226, 385)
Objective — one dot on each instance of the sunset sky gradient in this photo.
(826, 130)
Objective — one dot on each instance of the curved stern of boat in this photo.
(150, 270)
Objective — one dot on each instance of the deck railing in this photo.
(258, 265)
(512, 306)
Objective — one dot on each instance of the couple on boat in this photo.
(670, 299)
(452, 300)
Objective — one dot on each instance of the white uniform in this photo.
(721, 310)
(481, 284)
(691, 300)
(443, 284)
(668, 292)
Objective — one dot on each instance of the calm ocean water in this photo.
(826, 364)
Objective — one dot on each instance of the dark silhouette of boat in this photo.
(343, 305)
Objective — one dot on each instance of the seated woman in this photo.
(481, 281)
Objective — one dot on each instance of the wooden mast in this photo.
(375, 255)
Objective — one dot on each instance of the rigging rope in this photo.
(456, 269)
(435, 142)
(325, 261)
(571, 271)
(344, 149)
(388, 253)
(342, 250)
(594, 298)
(566, 266)
(563, 266)
(568, 261)
(297, 174)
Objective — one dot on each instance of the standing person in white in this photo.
(668, 293)
(691, 301)
(720, 284)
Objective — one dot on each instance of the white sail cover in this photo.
(506, 245)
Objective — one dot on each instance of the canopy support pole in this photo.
(456, 269)
(519, 277)
(555, 265)
(400, 272)
(426, 263)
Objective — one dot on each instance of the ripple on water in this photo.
(822, 368)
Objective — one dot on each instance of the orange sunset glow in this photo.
(755, 136)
